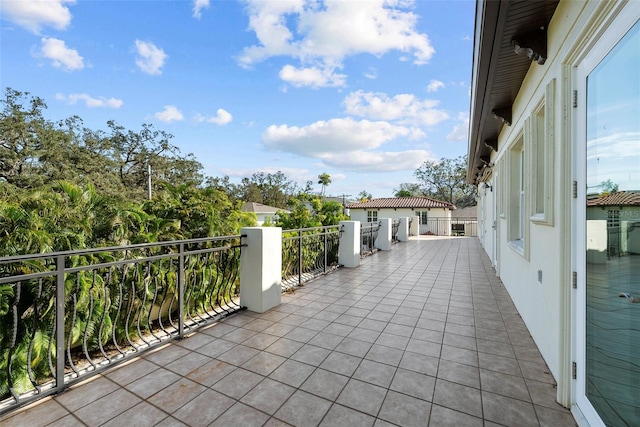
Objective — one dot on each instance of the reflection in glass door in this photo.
(613, 234)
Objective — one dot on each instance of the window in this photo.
(423, 217)
(501, 190)
(542, 141)
(372, 216)
(518, 218)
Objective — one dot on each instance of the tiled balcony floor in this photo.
(421, 335)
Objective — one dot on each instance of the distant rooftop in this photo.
(468, 212)
(621, 198)
(259, 208)
(402, 202)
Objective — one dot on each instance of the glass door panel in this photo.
(613, 234)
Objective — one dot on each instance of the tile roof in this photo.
(468, 212)
(621, 198)
(260, 208)
(402, 202)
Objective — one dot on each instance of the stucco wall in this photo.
(539, 302)
(361, 214)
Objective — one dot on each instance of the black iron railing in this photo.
(368, 236)
(308, 253)
(68, 315)
(395, 227)
(450, 227)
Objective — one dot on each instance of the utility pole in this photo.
(344, 203)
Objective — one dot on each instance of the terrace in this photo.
(423, 334)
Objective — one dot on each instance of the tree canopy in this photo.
(35, 152)
(443, 180)
(324, 179)
(64, 186)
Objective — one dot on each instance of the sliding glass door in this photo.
(612, 234)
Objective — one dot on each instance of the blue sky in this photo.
(365, 91)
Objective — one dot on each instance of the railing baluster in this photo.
(299, 257)
(60, 339)
(181, 291)
(325, 250)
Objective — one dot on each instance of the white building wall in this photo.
(361, 214)
(539, 302)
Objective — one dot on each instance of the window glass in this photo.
(613, 234)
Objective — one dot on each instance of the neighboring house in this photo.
(464, 221)
(264, 213)
(429, 211)
(555, 111)
(613, 225)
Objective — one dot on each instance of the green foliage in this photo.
(324, 179)
(310, 212)
(36, 152)
(446, 180)
(408, 189)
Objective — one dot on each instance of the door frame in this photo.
(608, 27)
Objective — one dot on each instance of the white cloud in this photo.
(379, 161)
(150, 58)
(198, 5)
(169, 114)
(333, 136)
(89, 101)
(60, 55)
(221, 118)
(313, 77)
(371, 73)
(33, 15)
(322, 33)
(460, 131)
(403, 108)
(347, 144)
(435, 85)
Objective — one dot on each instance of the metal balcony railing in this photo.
(368, 236)
(395, 227)
(308, 253)
(68, 315)
(450, 227)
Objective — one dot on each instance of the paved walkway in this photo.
(421, 335)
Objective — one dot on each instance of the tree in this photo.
(21, 127)
(408, 189)
(324, 179)
(364, 196)
(609, 186)
(446, 180)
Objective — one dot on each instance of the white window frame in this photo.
(420, 214)
(517, 204)
(372, 216)
(542, 140)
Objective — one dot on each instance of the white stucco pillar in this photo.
(261, 268)
(414, 230)
(349, 249)
(383, 242)
(403, 230)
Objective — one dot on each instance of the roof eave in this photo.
(485, 53)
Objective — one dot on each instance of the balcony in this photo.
(423, 334)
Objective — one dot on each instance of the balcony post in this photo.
(403, 230)
(414, 230)
(384, 240)
(261, 268)
(349, 247)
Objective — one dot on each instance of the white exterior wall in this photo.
(579, 35)
(361, 214)
(262, 218)
(542, 304)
